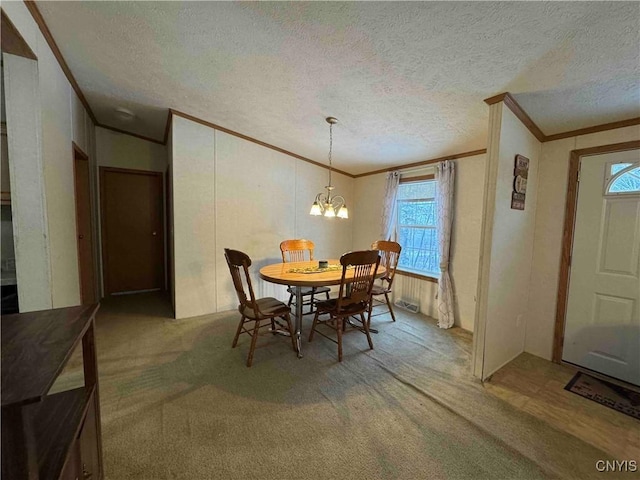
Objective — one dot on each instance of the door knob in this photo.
(154, 234)
(80, 237)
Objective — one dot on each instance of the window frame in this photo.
(429, 276)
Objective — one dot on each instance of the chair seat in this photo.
(330, 306)
(309, 290)
(380, 290)
(269, 307)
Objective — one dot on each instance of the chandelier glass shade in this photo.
(328, 204)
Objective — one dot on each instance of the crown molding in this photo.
(37, 17)
(254, 140)
(519, 112)
(455, 156)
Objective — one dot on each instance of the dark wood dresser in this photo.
(49, 435)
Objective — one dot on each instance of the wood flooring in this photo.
(536, 386)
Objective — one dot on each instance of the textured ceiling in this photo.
(405, 79)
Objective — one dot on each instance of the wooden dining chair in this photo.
(353, 298)
(389, 257)
(301, 250)
(263, 312)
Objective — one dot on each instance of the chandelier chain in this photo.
(330, 149)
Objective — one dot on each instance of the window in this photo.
(623, 178)
(416, 227)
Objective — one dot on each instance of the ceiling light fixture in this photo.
(328, 204)
(125, 113)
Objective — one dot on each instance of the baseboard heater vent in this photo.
(411, 307)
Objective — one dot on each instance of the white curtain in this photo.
(445, 177)
(388, 230)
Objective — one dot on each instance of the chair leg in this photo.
(386, 296)
(366, 331)
(254, 338)
(235, 339)
(287, 317)
(370, 310)
(313, 326)
(290, 300)
(339, 324)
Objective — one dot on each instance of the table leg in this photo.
(299, 320)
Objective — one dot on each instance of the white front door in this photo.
(602, 330)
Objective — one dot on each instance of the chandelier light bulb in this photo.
(315, 209)
(329, 211)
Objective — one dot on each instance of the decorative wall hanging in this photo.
(520, 175)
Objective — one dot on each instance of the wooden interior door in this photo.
(132, 230)
(602, 330)
(84, 231)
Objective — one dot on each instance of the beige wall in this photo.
(552, 192)
(63, 121)
(367, 209)
(57, 155)
(228, 192)
(465, 238)
(507, 245)
(193, 172)
(29, 210)
(126, 151)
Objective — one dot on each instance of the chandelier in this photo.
(329, 204)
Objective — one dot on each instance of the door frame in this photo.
(103, 230)
(78, 153)
(567, 235)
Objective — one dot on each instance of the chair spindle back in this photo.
(365, 264)
(239, 263)
(389, 256)
(296, 250)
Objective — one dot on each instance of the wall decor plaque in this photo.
(520, 175)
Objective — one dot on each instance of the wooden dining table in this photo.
(289, 274)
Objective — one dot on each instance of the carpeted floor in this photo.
(178, 403)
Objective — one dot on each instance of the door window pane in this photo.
(616, 167)
(627, 182)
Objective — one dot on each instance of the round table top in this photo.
(280, 273)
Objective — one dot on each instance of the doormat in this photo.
(605, 393)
